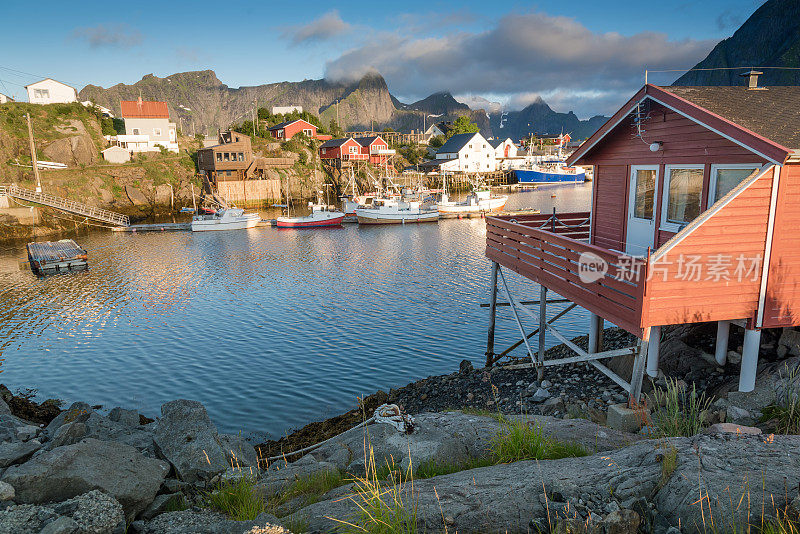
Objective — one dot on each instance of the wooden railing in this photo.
(64, 204)
(606, 283)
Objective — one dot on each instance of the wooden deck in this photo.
(155, 227)
(554, 252)
(52, 257)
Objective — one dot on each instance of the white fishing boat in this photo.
(225, 219)
(479, 201)
(321, 215)
(394, 210)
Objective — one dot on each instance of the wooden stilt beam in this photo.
(639, 364)
(492, 316)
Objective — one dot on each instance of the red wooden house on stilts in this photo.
(693, 219)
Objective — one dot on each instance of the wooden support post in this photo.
(721, 352)
(542, 329)
(492, 316)
(652, 351)
(596, 324)
(637, 376)
(751, 345)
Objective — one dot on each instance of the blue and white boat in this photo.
(550, 172)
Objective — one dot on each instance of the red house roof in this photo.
(139, 109)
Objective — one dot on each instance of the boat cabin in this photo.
(693, 219)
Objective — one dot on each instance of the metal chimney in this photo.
(752, 79)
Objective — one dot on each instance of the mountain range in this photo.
(201, 103)
(769, 38)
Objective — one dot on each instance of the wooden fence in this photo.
(614, 291)
(250, 192)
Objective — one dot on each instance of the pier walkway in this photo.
(66, 205)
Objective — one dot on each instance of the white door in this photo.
(641, 209)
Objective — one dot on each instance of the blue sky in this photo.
(583, 55)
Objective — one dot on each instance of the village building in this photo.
(4, 99)
(286, 130)
(50, 91)
(103, 110)
(344, 149)
(470, 152)
(504, 148)
(440, 128)
(284, 110)
(693, 219)
(230, 159)
(147, 127)
(376, 148)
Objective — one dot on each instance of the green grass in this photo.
(518, 439)
(296, 524)
(434, 468)
(668, 464)
(677, 409)
(176, 504)
(786, 411)
(382, 508)
(310, 487)
(236, 498)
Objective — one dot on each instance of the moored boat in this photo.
(225, 219)
(321, 215)
(550, 172)
(393, 210)
(480, 200)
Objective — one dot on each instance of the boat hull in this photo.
(303, 222)
(484, 206)
(364, 217)
(215, 226)
(541, 177)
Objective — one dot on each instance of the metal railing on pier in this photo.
(66, 205)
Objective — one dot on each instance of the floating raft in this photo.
(57, 257)
(483, 214)
(155, 227)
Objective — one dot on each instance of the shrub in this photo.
(236, 498)
(677, 410)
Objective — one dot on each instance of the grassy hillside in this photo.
(73, 135)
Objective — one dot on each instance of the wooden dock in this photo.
(51, 257)
(155, 227)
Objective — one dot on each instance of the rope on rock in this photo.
(389, 414)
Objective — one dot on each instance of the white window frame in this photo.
(309, 132)
(712, 180)
(157, 132)
(632, 194)
(664, 224)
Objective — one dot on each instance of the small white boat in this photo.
(479, 201)
(321, 215)
(393, 210)
(225, 219)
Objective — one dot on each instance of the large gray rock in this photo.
(78, 411)
(734, 475)
(126, 417)
(91, 513)
(68, 471)
(509, 497)
(186, 437)
(455, 436)
(211, 523)
(106, 429)
(13, 428)
(241, 455)
(14, 452)
(723, 472)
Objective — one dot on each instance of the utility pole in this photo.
(255, 127)
(337, 114)
(33, 155)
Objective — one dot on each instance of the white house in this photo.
(5, 98)
(103, 110)
(504, 148)
(471, 151)
(50, 91)
(147, 127)
(283, 110)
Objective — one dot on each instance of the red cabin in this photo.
(286, 130)
(693, 219)
(376, 148)
(346, 149)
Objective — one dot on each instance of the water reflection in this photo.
(268, 328)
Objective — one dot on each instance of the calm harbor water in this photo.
(270, 329)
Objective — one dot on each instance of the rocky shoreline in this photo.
(81, 470)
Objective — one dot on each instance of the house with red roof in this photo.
(147, 127)
(288, 129)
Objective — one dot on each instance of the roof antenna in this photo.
(752, 79)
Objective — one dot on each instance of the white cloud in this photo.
(521, 53)
(109, 36)
(326, 27)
